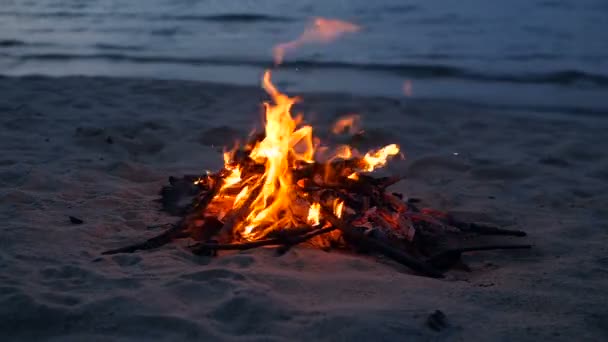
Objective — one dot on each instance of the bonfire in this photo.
(278, 190)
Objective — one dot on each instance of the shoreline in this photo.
(394, 92)
(101, 148)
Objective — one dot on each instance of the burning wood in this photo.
(273, 192)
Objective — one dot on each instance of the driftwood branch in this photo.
(175, 232)
(489, 230)
(352, 234)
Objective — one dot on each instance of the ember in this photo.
(274, 192)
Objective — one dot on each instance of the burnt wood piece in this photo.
(236, 215)
(177, 197)
(175, 232)
(337, 168)
(355, 236)
(437, 320)
(75, 220)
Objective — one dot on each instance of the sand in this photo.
(100, 149)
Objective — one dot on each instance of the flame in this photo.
(349, 123)
(374, 160)
(282, 145)
(233, 178)
(344, 152)
(338, 207)
(239, 198)
(267, 202)
(321, 30)
(314, 214)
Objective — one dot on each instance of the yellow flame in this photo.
(239, 198)
(338, 207)
(282, 145)
(271, 202)
(376, 159)
(233, 178)
(227, 157)
(320, 30)
(314, 214)
(247, 231)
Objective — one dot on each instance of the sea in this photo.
(542, 55)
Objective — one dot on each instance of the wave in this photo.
(560, 77)
(8, 43)
(11, 43)
(105, 46)
(244, 17)
(225, 17)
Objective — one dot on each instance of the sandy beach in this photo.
(100, 149)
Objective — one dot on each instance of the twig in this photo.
(204, 248)
(489, 230)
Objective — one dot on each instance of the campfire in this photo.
(282, 188)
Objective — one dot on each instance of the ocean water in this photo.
(540, 54)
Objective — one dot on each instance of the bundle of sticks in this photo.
(374, 220)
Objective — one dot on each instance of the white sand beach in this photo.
(100, 149)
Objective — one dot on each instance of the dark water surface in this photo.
(542, 54)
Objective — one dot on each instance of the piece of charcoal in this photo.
(437, 321)
(76, 220)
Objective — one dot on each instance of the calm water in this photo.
(544, 54)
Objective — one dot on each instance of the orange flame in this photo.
(321, 30)
(239, 198)
(376, 159)
(349, 123)
(338, 207)
(268, 201)
(283, 144)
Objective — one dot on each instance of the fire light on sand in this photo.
(277, 190)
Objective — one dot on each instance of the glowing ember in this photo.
(321, 30)
(314, 213)
(349, 124)
(338, 207)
